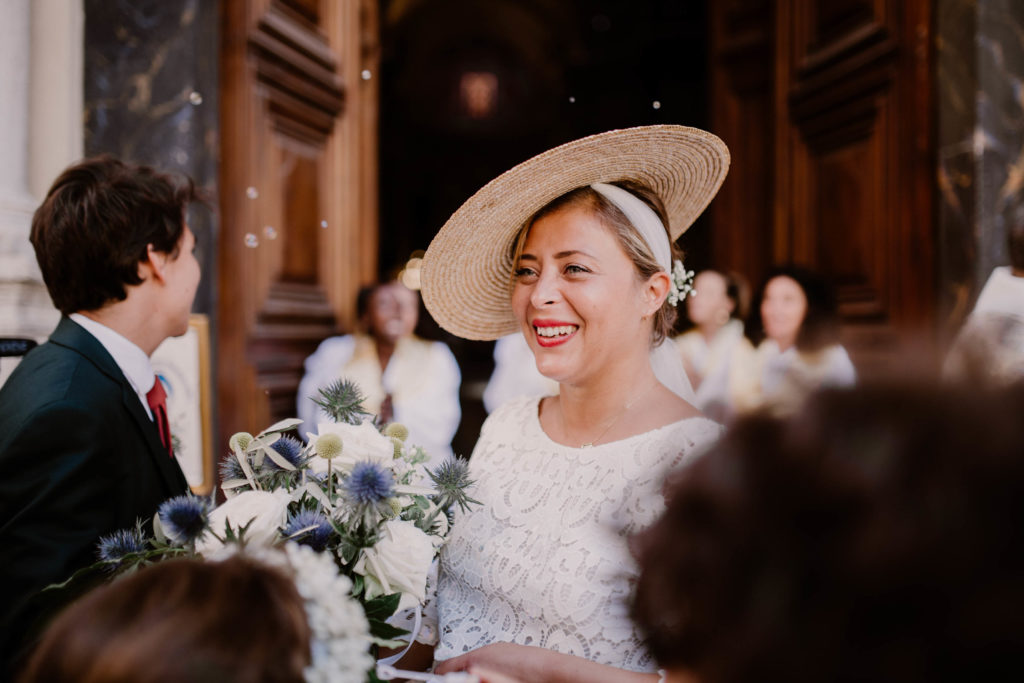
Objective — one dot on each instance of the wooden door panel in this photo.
(850, 155)
(288, 271)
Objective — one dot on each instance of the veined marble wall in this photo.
(980, 109)
(151, 96)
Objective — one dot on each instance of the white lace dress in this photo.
(544, 560)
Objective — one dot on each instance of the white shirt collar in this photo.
(132, 360)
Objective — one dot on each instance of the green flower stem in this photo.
(330, 484)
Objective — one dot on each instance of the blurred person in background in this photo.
(990, 347)
(794, 323)
(715, 347)
(404, 378)
(875, 536)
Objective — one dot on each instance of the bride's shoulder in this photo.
(693, 429)
(515, 412)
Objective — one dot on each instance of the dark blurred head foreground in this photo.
(875, 537)
(236, 621)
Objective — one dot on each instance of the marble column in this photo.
(151, 82)
(980, 110)
(40, 132)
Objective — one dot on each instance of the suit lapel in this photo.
(73, 336)
(168, 466)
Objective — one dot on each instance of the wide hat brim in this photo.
(466, 275)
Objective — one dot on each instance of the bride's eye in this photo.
(524, 272)
(576, 269)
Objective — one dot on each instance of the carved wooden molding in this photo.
(833, 100)
(294, 319)
(303, 90)
(746, 47)
(294, 310)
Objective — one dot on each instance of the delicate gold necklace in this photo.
(625, 409)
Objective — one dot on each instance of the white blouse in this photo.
(544, 560)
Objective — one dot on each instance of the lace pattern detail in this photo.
(544, 560)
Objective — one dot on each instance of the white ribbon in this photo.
(417, 624)
(643, 218)
(665, 360)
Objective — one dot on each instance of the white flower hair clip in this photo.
(682, 283)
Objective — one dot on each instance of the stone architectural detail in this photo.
(40, 133)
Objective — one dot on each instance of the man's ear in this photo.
(656, 291)
(152, 265)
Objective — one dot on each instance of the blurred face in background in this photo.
(710, 308)
(782, 310)
(394, 311)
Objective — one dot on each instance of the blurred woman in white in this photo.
(404, 378)
(715, 348)
(795, 323)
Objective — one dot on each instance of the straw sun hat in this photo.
(467, 271)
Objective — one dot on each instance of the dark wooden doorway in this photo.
(827, 108)
(298, 193)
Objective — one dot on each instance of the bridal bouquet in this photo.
(353, 492)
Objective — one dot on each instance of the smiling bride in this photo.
(574, 249)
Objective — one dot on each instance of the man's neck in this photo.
(133, 325)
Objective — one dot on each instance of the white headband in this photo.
(643, 218)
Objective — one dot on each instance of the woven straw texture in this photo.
(467, 270)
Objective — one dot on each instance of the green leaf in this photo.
(382, 629)
(382, 607)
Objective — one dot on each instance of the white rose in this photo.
(398, 562)
(267, 511)
(358, 442)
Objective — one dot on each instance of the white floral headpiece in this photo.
(339, 632)
(653, 233)
(682, 283)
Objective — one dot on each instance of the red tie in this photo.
(157, 399)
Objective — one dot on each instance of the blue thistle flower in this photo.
(116, 546)
(317, 537)
(230, 469)
(290, 449)
(451, 478)
(184, 518)
(369, 483)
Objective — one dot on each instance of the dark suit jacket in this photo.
(79, 458)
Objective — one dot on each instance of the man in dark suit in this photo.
(85, 448)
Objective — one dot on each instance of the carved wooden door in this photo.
(297, 193)
(826, 104)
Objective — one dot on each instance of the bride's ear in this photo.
(655, 292)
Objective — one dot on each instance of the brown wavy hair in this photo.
(95, 225)
(875, 537)
(235, 621)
